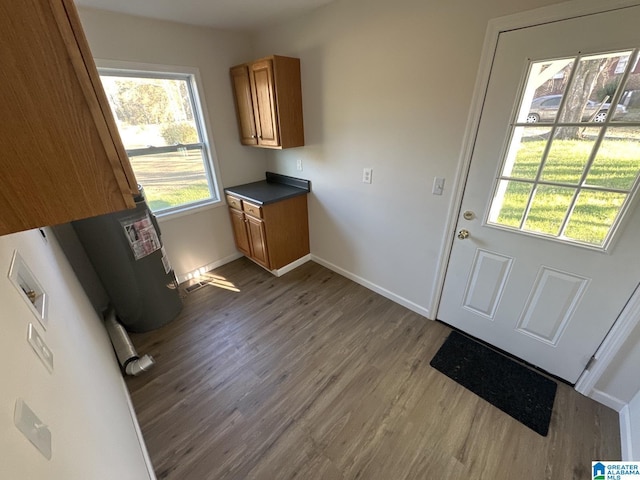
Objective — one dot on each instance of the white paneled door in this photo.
(547, 250)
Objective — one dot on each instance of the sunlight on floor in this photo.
(200, 280)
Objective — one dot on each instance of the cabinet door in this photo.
(61, 158)
(240, 231)
(244, 105)
(264, 103)
(258, 239)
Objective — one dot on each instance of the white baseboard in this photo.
(291, 266)
(209, 266)
(376, 288)
(136, 426)
(626, 443)
(607, 400)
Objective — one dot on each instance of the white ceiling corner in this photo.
(224, 14)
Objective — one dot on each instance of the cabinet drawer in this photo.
(234, 202)
(251, 209)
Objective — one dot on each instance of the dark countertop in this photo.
(274, 189)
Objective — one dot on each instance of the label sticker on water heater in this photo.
(141, 234)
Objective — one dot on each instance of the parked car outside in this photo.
(545, 109)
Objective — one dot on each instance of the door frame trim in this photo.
(608, 349)
(562, 11)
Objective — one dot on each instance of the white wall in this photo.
(620, 381)
(84, 401)
(205, 237)
(634, 432)
(386, 85)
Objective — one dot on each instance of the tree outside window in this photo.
(162, 129)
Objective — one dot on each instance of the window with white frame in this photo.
(572, 166)
(161, 124)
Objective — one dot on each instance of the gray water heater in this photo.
(126, 251)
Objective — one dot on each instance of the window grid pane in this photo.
(564, 179)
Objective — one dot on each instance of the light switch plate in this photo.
(32, 428)
(41, 349)
(438, 186)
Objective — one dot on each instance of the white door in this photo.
(553, 251)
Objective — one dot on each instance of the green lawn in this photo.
(616, 166)
(171, 179)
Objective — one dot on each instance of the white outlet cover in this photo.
(367, 173)
(41, 348)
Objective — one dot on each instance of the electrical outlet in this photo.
(299, 165)
(37, 343)
(367, 175)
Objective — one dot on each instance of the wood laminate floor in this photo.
(311, 376)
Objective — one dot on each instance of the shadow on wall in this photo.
(311, 67)
(326, 226)
(623, 385)
(82, 267)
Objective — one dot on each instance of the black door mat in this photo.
(515, 389)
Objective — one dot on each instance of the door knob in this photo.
(462, 234)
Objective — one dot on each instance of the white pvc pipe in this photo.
(131, 363)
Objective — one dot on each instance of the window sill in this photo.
(187, 210)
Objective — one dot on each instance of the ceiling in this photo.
(226, 14)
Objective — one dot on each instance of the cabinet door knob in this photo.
(253, 136)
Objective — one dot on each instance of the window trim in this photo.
(212, 168)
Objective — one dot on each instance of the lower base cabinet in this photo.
(272, 235)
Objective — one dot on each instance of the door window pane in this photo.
(526, 152)
(617, 163)
(510, 203)
(543, 94)
(562, 179)
(567, 159)
(593, 215)
(548, 209)
(592, 89)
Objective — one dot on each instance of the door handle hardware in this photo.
(462, 234)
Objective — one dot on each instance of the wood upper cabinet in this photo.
(244, 105)
(268, 98)
(61, 158)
